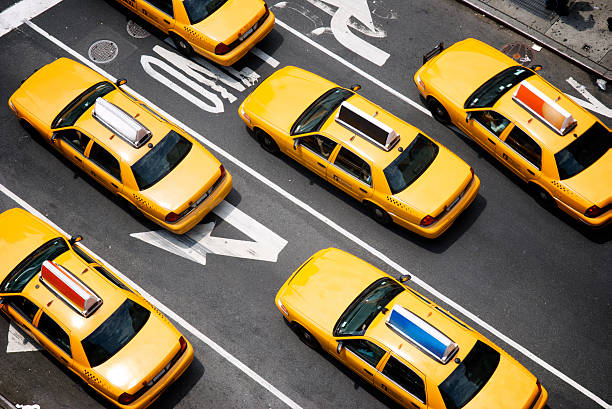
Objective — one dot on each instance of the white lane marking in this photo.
(327, 220)
(167, 311)
(593, 103)
(368, 29)
(194, 244)
(18, 13)
(353, 67)
(17, 341)
(268, 59)
(34, 406)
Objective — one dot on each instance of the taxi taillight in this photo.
(183, 343)
(126, 398)
(172, 217)
(222, 48)
(427, 220)
(593, 211)
(222, 169)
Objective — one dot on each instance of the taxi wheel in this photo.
(306, 337)
(378, 214)
(29, 128)
(268, 143)
(182, 45)
(542, 197)
(438, 111)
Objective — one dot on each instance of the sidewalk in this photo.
(582, 37)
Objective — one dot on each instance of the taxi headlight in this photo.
(282, 307)
(420, 83)
(12, 106)
(244, 114)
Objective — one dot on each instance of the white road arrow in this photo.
(19, 342)
(591, 103)
(198, 241)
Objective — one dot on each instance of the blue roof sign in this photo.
(422, 334)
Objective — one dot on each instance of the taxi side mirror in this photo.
(404, 277)
(355, 87)
(54, 137)
(536, 67)
(339, 347)
(468, 117)
(120, 82)
(75, 239)
(296, 142)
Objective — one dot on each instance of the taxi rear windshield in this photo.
(313, 118)
(115, 332)
(198, 10)
(492, 90)
(411, 163)
(31, 265)
(160, 160)
(470, 376)
(360, 314)
(73, 111)
(584, 151)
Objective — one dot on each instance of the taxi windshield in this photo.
(160, 160)
(73, 111)
(584, 151)
(470, 376)
(31, 265)
(313, 118)
(115, 332)
(358, 316)
(492, 90)
(411, 163)
(198, 10)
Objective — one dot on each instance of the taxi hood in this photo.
(231, 20)
(187, 182)
(282, 97)
(143, 357)
(593, 183)
(445, 178)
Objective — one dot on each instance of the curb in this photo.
(5, 403)
(539, 38)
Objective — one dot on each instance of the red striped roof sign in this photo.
(69, 288)
(544, 108)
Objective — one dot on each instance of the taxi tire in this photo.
(267, 142)
(306, 337)
(182, 45)
(541, 196)
(29, 128)
(378, 214)
(438, 111)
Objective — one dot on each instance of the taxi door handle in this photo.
(63, 359)
(504, 156)
(114, 185)
(382, 385)
(363, 190)
(529, 170)
(79, 159)
(166, 21)
(320, 164)
(491, 140)
(366, 371)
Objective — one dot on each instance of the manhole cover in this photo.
(519, 52)
(103, 51)
(136, 31)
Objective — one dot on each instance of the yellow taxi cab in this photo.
(561, 150)
(221, 30)
(397, 172)
(86, 317)
(399, 341)
(161, 171)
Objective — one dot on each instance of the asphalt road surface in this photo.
(536, 277)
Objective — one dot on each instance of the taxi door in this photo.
(102, 166)
(160, 13)
(361, 356)
(351, 173)
(54, 338)
(485, 127)
(521, 154)
(72, 143)
(402, 383)
(22, 311)
(313, 151)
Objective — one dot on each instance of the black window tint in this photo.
(31, 265)
(163, 5)
(411, 163)
(74, 138)
(73, 111)
(584, 151)
(318, 144)
(83, 255)
(489, 92)
(405, 377)
(198, 10)
(111, 278)
(470, 376)
(24, 306)
(491, 120)
(317, 113)
(525, 146)
(105, 160)
(366, 350)
(160, 160)
(54, 332)
(354, 165)
(115, 332)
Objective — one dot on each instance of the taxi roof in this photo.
(23, 233)
(541, 132)
(362, 146)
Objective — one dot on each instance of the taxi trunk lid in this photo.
(232, 20)
(593, 183)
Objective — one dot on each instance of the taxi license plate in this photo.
(248, 32)
(450, 206)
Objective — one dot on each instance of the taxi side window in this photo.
(366, 350)
(354, 165)
(405, 377)
(105, 160)
(491, 120)
(54, 332)
(320, 145)
(163, 5)
(23, 306)
(77, 139)
(525, 146)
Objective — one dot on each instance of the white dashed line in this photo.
(15, 15)
(268, 59)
